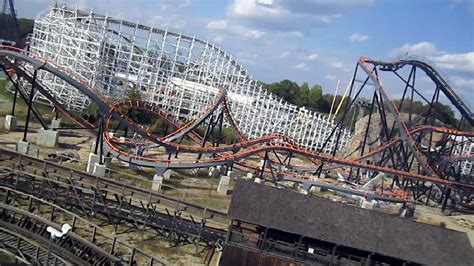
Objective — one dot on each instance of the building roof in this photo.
(349, 226)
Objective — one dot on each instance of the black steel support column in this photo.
(265, 159)
(101, 144)
(30, 102)
(15, 95)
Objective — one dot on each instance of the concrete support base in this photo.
(99, 169)
(92, 146)
(93, 159)
(167, 174)
(55, 123)
(157, 182)
(258, 180)
(223, 185)
(163, 172)
(23, 147)
(10, 122)
(315, 189)
(214, 171)
(47, 138)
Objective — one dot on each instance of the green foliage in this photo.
(229, 136)
(3, 83)
(25, 27)
(301, 95)
(439, 111)
(161, 127)
(139, 116)
(286, 89)
(133, 94)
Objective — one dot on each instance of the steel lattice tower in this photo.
(9, 30)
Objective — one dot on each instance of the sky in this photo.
(318, 41)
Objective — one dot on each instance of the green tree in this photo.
(316, 97)
(25, 27)
(133, 94)
(140, 116)
(303, 95)
(286, 89)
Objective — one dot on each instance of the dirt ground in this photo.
(458, 222)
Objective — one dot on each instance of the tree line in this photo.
(311, 98)
(315, 99)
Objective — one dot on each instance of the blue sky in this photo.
(317, 41)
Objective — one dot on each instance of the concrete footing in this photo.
(93, 159)
(47, 138)
(10, 122)
(99, 169)
(55, 123)
(167, 174)
(163, 172)
(315, 189)
(26, 148)
(223, 185)
(157, 182)
(23, 147)
(214, 171)
(258, 180)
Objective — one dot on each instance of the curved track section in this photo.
(72, 246)
(435, 76)
(228, 154)
(26, 250)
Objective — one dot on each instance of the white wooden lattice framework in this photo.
(182, 73)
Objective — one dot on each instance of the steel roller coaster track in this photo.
(26, 66)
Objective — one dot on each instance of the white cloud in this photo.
(252, 8)
(224, 25)
(285, 54)
(295, 33)
(290, 15)
(302, 66)
(330, 77)
(462, 82)
(461, 62)
(457, 62)
(418, 49)
(338, 65)
(265, 2)
(167, 4)
(312, 57)
(247, 58)
(168, 21)
(255, 34)
(218, 25)
(358, 37)
(219, 38)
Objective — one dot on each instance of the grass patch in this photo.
(21, 106)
